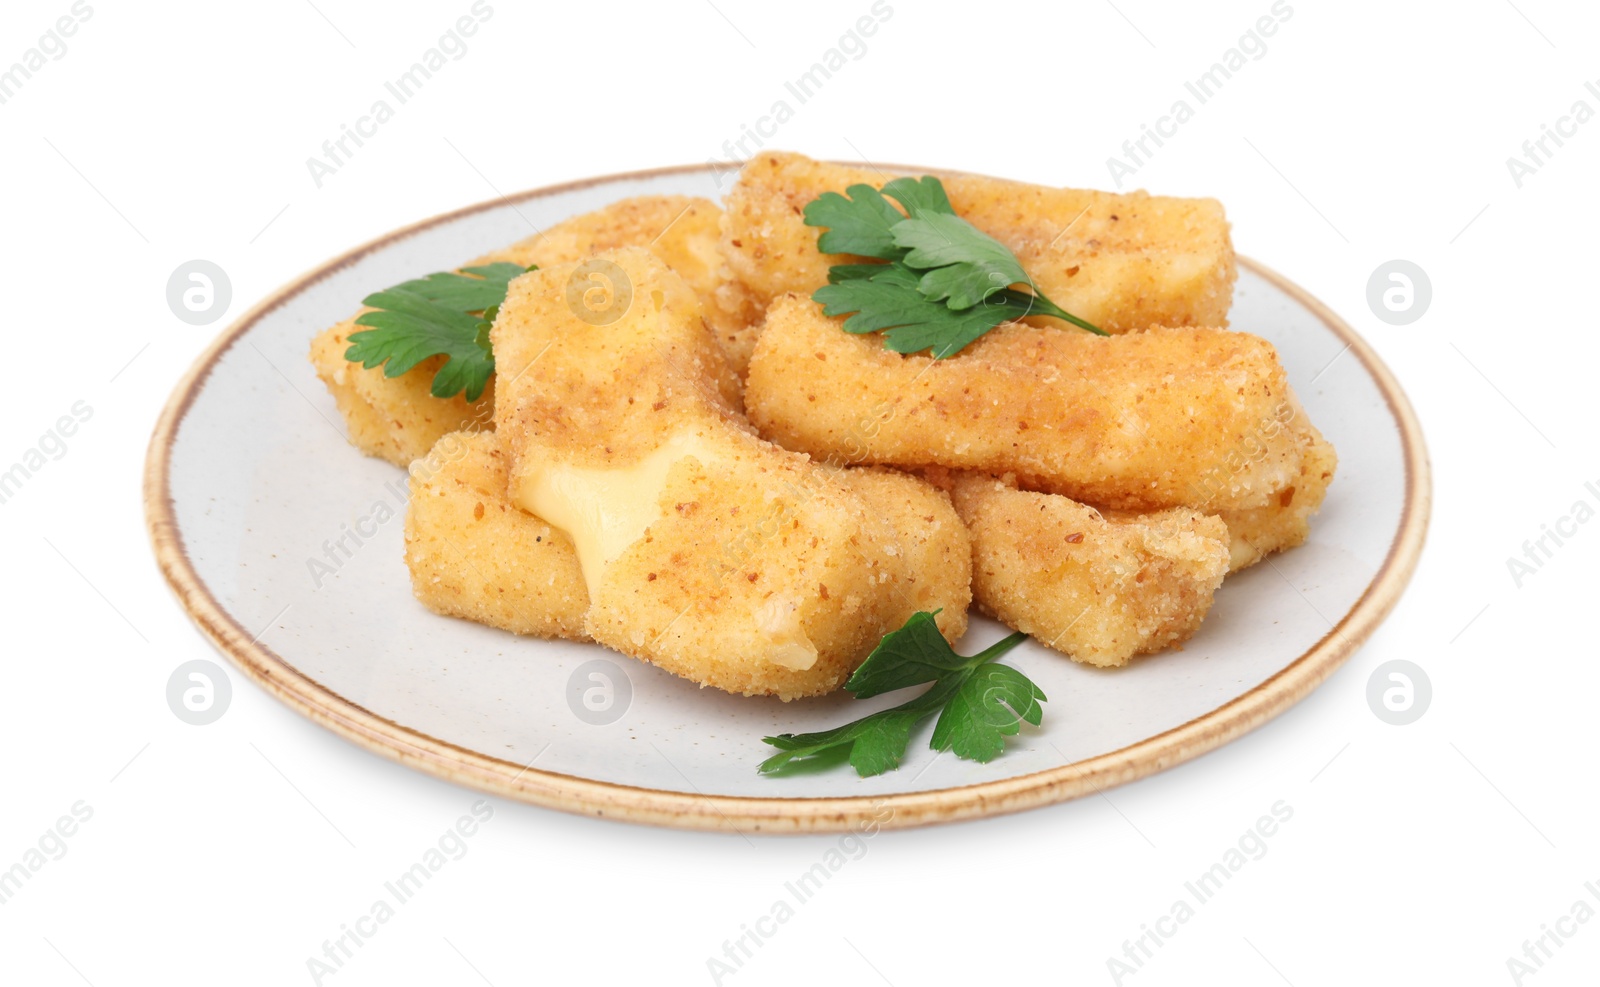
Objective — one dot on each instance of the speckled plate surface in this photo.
(249, 474)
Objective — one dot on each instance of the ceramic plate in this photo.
(249, 474)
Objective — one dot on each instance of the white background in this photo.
(1367, 132)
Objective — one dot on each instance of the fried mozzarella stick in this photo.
(1142, 421)
(684, 232)
(705, 549)
(473, 555)
(1123, 262)
(1285, 522)
(398, 418)
(930, 539)
(1100, 588)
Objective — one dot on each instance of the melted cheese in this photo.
(786, 641)
(605, 510)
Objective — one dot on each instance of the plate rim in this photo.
(763, 814)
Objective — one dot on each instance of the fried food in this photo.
(930, 539)
(1098, 587)
(393, 418)
(1123, 262)
(1285, 523)
(1142, 421)
(681, 458)
(398, 418)
(681, 230)
(473, 555)
(705, 549)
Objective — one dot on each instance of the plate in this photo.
(249, 479)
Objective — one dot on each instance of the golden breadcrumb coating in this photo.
(398, 419)
(473, 555)
(684, 232)
(1098, 587)
(1141, 421)
(1123, 262)
(931, 539)
(1285, 522)
(707, 551)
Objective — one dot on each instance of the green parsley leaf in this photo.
(920, 196)
(990, 706)
(890, 300)
(446, 314)
(946, 282)
(886, 297)
(965, 265)
(979, 703)
(860, 224)
(851, 272)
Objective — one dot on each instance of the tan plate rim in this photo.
(771, 815)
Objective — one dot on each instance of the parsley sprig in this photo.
(979, 703)
(944, 282)
(446, 314)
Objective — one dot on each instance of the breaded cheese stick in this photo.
(398, 418)
(1285, 523)
(1123, 262)
(393, 418)
(1100, 588)
(706, 550)
(684, 232)
(1142, 421)
(473, 555)
(929, 537)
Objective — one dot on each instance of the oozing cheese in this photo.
(605, 510)
(786, 641)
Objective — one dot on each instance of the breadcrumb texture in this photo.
(1098, 587)
(931, 540)
(1286, 521)
(473, 555)
(759, 572)
(398, 418)
(684, 232)
(1121, 261)
(1170, 417)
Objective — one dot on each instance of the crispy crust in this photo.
(473, 555)
(1098, 587)
(683, 231)
(1285, 523)
(1142, 421)
(930, 539)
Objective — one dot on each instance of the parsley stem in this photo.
(1000, 647)
(1050, 308)
(977, 707)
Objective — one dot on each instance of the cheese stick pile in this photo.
(713, 477)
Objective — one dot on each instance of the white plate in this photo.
(249, 473)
